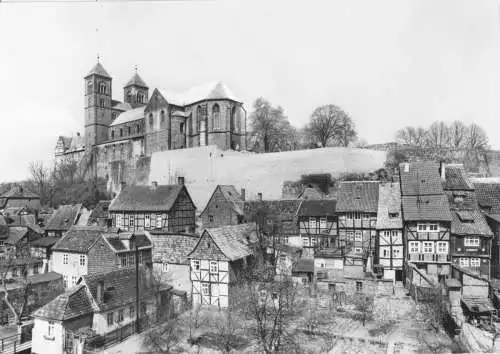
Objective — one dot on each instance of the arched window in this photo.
(102, 102)
(199, 113)
(102, 87)
(129, 96)
(129, 129)
(121, 132)
(216, 116)
(151, 119)
(89, 87)
(112, 134)
(138, 128)
(233, 119)
(140, 97)
(162, 116)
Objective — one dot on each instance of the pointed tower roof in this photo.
(136, 81)
(98, 69)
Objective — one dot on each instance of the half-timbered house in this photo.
(220, 255)
(225, 207)
(426, 219)
(389, 255)
(357, 216)
(471, 236)
(317, 225)
(155, 207)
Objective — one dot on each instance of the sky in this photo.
(388, 63)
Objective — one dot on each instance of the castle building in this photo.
(146, 122)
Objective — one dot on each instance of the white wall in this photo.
(41, 343)
(72, 270)
(177, 275)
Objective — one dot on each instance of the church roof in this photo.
(122, 106)
(129, 116)
(98, 69)
(207, 91)
(136, 80)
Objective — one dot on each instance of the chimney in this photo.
(100, 291)
(259, 196)
(180, 180)
(243, 194)
(154, 185)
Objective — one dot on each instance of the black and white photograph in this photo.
(249, 176)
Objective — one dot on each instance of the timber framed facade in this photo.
(318, 225)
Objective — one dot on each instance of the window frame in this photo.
(83, 260)
(472, 242)
(463, 262)
(213, 267)
(438, 247)
(425, 244)
(358, 236)
(110, 318)
(475, 262)
(50, 329)
(65, 258)
(412, 245)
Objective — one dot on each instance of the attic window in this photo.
(208, 244)
(393, 215)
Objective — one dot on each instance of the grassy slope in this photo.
(255, 172)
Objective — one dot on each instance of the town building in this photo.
(64, 217)
(99, 216)
(488, 198)
(90, 250)
(155, 207)
(19, 197)
(389, 244)
(426, 219)
(225, 207)
(217, 260)
(317, 225)
(18, 239)
(41, 248)
(69, 149)
(471, 237)
(357, 207)
(170, 262)
(96, 308)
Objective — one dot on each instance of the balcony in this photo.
(429, 257)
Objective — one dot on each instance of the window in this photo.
(471, 242)
(475, 262)
(162, 116)
(102, 102)
(121, 132)
(385, 252)
(305, 241)
(120, 316)
(427, 227)
(140, 258)
(158, 221)
(151, 119)
(442, 247)
(140, 97)
(138, 128)
(196, 265)
(66, 281)
(89, 87)
(112, 134)
(322, 223)
(153, 221)
(132, 312)
(129, 130)
(50, 329)
(428, 247)
(211, 218)
(421, 227)
(313, 241)
(102, 87)
(214, 267)
(282, 258)
(414, 246)
(181, 127)
(65, 258)
(147, 223)
(393, 215)
(216, 116)
(358, 250)
(131, 220)
(312, 223)
(358, 236)
(74, 279)
(165, 267)
(433, 227)
(14, 271)
(464, 262)
(359, 286)
(110, 318)
(124, 260)
(113, 115)
(82, 260)
(357, 216)
(350, 235)
(387, 233)
(205, 289)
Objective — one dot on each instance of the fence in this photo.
(17, 342)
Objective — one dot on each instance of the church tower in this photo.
(97, 105)
(136, 92)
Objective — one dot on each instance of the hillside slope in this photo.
(205, 167)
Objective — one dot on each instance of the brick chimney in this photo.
(100, 291)
(242, 194)
(259, 196)
(154, 185)
(180, 180)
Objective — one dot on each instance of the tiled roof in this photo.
(426, 208)
(101, 210)
(16, 234)
(232, 196)
(79, 238)
(119, 287)
(73, 303)
(311, 193)
(118, 243)
(488, 195)
(317, 207)
(469, 223)
(172, 248)
(359, 196)
(420, 178)
(456, 178)
(304, 265)
(283, 212)
(137, 81)
(45, 242)
(129, 116)
(44, 277)
(122, 106)
(389, 202)
(63, 217)
(145, 198)
(19, 192)
(98, 69)
(207, 91)
(234, 240)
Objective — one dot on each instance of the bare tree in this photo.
(40, 176)
(325, 123)
(477, 139)
(228, 329)
(433, 308)
(194, 320)
(458, 134)
(406, 135)
(164, 339)
(364, 304)
(438, 135)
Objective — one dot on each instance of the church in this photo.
(144, 122)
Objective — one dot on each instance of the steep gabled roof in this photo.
(145, 198)
(100, 211)
(19, 192)
(98, 69)
(281, 211)
(232, 197)
(63, 217)
(317, 208)
(420, 178)
(16, 234)
(136, 80)
(79, 239)
(71, 304)
(44, 242)
(361, 196)
(172, 248)
(456, 178)
(426, 208)
(488, 194)
(118, 241)
(470, 222)
(389, 214)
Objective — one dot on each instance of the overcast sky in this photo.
(387, 63)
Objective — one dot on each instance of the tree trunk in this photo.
(10, 305)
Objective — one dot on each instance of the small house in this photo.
(225, 207)
(64, 217)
